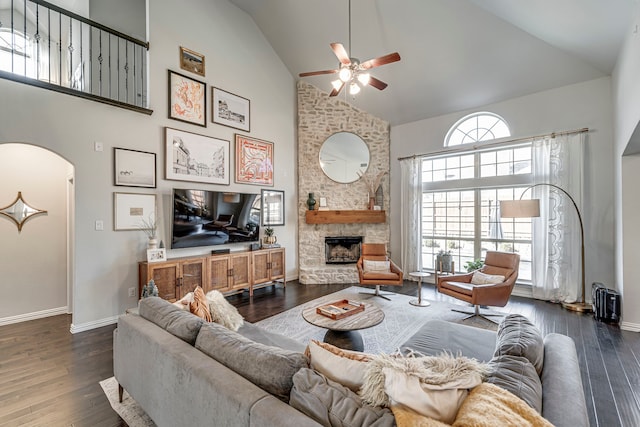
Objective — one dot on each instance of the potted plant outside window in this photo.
(443, 261)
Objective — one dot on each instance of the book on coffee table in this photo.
(340, 309)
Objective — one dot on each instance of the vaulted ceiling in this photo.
(456, 54)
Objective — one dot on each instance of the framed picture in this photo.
(156, 255)
(187, 99)
(198, 158)
(230, 110)
(254, 161)
(131, 209)
(272, 207)
(133, 168)
(191, 61)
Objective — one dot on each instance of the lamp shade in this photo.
(520, 208)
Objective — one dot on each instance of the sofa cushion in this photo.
(257, 334)
(270, 368)
(437, 336)
(517, 375)
(343, 366)
(180, 323)
(332, 404)
(517, 336)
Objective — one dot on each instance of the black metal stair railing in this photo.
(44, 45)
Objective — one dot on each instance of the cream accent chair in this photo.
(391, 276)
(495, 294)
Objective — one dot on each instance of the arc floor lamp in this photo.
(531, 209)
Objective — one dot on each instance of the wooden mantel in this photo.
(345, 217)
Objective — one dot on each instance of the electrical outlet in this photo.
(132, 292)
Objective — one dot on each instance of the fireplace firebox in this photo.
(342, 249)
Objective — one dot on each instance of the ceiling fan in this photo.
(353, 72)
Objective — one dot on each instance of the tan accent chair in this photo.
(496, 263)
(377, 252)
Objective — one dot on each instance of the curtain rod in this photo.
(496, 144)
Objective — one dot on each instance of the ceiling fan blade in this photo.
(335, 91)
(378, 84)
(316, 73)
(382, 60)
(341, 53)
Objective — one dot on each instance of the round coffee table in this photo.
(420, 275)
(343, 332)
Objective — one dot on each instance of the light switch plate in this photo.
(99, 225)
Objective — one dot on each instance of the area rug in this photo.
(129, 410)
(401, 321)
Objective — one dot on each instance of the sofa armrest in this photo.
(563, 402)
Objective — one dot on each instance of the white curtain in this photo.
(410, 211)
(556, 254)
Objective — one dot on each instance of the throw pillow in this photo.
(342, 366)
(223, 312)
(518, 376)
(200, 306)
(184, 302)
(489, 405)
(333, 405)
(518, 336)
(480, 278)
(376, 266)
(433, 386)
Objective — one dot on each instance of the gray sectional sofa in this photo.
(186, 372)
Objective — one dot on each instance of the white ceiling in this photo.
(456, 54)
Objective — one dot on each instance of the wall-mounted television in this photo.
(208, 218)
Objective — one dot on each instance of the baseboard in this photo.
(32, 316)
(74, 329)
(628, 326)
(522, 291)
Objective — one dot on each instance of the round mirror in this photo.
(343, 155)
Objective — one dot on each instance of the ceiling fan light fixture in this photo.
(363, 78)
(354, 89)
(345, 74)
(337, 84)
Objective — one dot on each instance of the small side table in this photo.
(420, 275)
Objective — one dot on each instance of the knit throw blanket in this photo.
(487, 405)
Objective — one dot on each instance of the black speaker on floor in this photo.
(607, 303)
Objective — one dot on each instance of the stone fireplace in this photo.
(342, 249)
(320, 116)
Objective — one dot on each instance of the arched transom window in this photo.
(477, 127)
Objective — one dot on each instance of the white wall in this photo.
(626, 105)
(34, 261)
(238, 59)
(571, 107)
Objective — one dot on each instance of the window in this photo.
(460, 202)
(477, 127)
(16, 53)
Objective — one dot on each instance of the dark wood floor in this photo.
(49, 377)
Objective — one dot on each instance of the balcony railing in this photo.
(44, 45)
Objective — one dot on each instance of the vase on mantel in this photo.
(372, 203)
(311, 202)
